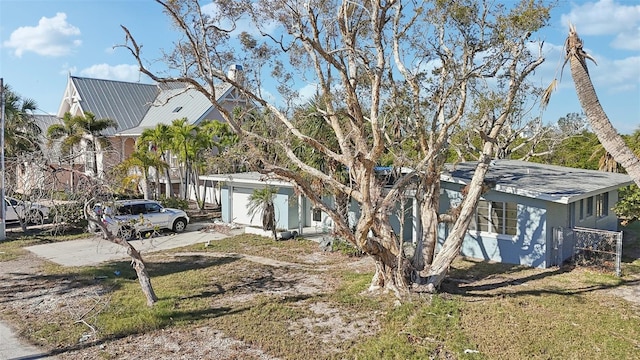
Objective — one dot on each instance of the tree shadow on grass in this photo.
(123, 269)
(28, 285)
(514, 281)
(263, 281)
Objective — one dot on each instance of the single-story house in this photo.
(516, 221)
(292, 211)
(519, 219)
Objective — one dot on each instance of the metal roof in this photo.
(175, 104)
(539, 181)
(124, 102)
(547, 182)
(44, 121)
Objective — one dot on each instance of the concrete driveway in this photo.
(96, 250)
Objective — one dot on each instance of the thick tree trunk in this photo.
(452, 245)
(607, 134)
(429, 219)
(428, 197)
(392, 270)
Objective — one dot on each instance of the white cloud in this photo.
(52, 37)
(307, 93)
(618, 75)
(628, 40)
(607, 17)
(122, 72)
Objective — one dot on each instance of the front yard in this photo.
(248, 297)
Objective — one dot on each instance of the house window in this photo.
(589, 206)
(317, 215)
(496, 217)
(602, 205)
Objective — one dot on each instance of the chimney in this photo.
(236, 74)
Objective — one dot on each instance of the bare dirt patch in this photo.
(28, 292)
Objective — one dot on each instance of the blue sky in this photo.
(41, 42)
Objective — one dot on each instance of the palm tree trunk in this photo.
(168, 189)
(607, 134)
(195, 181)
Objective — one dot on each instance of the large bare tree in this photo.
(390, 75)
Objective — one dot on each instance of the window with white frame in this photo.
(581, 209)
(589, 206)
(602, 205)
(495, 217)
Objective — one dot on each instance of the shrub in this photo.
(345, 248)
(174, 202)
(72, 214)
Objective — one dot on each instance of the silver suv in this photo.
(129, 218)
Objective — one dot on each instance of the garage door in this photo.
(240, 213)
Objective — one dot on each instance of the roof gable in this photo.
(124, 102)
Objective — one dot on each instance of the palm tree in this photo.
(70, 137)
(182, 134)
(75, 130)
(20, 130)
(93, 129)
(261, 201)
(209, 136)
(160, 139)
(142, 159)
(607, 134)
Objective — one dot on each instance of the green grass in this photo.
(419, 329)
(485, 311)
(290, 250)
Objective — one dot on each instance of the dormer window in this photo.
(177, 109)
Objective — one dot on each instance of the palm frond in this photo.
(546, 95)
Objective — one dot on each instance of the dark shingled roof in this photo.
(548, 182)
(124, 102)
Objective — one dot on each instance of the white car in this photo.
(129, 218)
(29, 212)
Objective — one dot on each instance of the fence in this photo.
(599, 248)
